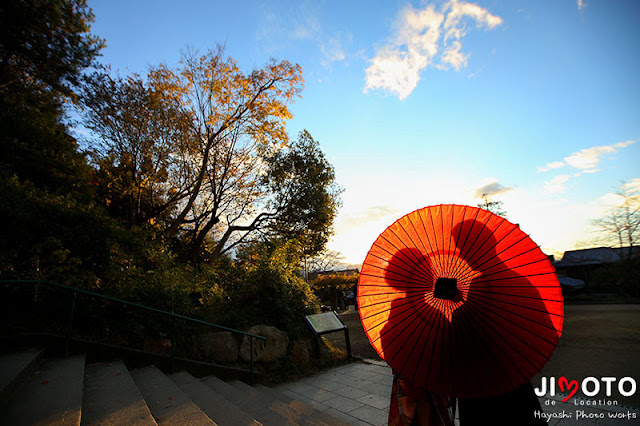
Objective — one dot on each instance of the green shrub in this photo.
(267, 288)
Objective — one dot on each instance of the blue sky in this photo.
(419, 103)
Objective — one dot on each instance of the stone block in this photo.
(271, 350)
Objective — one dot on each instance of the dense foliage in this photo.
(191, 197)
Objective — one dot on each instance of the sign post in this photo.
(327, 322)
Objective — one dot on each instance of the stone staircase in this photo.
(36, 390)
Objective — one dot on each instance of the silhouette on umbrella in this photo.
(460, 302)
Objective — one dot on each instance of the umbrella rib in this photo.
(481, 290)
(386, 260)
(484, 319)
(496, 244)
(393, 337)
(400, 251)
(509, 269)
(418, 312)
(388, 252)
(449, 258)
(443, 260)
(542, 259)
(482, 281)
(413, 225)
(424, 325)
(497, 254)
(433, 227)
(458, 260)
(523, 307)
(542, 355)
(387, 300)
(471, 256)
(464, 248)
(394, 293)
(429, 273)
(462, 256)
(404, 303)
(471, 262)
(409, 280)
(442, 338)
(504, 354)
(424, 227)
(424, 346)
(467, 256)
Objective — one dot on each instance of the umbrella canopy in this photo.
(460, 301)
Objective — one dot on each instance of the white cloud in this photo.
(589, 158)
(491, 187)
(333, 48)
(370, 214)
(417, 41)
(552, 165)
(456, 25)
(557, 184)
(301, 25)
(452, 56)
(396, 67)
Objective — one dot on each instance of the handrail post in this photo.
(251, 362)
(70, 323)
(173, 345)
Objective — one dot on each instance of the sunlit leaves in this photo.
(185, 145)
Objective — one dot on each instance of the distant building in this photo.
(581, 263)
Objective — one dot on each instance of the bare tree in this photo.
(325, 261)
(495, 207)
(620, 226)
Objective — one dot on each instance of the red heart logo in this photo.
(565, 384)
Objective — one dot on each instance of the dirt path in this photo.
(360, 345)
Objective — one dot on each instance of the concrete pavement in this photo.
(359, 393)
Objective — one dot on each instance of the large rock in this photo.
(156, 345)
(299, 354)
(273, 349)
(219, 347)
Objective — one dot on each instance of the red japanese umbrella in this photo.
(460, 301)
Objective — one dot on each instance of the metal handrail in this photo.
(75, 291)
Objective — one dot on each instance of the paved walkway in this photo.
(359, 393)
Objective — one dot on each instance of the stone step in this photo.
(305, 410)
(111, 397)
(221, 411)
(167, 403)
(296, 411)
(15, 366)
(262, 409)
(66, 392)
(50, 395)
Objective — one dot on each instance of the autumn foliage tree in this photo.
(234, 117)
(141, 147)
(201, 150)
